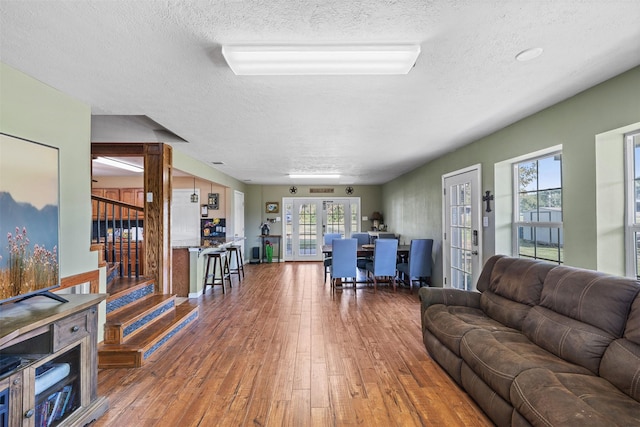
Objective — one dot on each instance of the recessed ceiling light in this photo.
(312, 176)
(529, 54)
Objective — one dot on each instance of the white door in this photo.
(462, 235)
(238, 215)
(185, 218)
(302, 229)
(306, 220)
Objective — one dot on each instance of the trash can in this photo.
(255, 255)
(269, 251)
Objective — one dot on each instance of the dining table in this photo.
(367, 250)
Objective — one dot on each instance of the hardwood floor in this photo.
(280, 349)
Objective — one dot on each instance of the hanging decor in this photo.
(194, 196)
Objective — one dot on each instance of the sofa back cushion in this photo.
(580, 313)
(621, 361)
(513, 287)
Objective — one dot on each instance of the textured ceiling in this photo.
(162, 60)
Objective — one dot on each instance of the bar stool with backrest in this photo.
(236, 251)
(217, 261)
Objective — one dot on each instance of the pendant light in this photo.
(194, 196)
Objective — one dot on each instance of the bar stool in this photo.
(237, 251)
(215, 261)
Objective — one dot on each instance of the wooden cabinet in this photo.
(109, 193)
(56, 343)
(131, 196)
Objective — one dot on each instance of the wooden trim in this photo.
(117, 203)
(93, 277)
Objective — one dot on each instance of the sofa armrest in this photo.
(448, 296)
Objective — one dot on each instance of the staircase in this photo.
(139, 321)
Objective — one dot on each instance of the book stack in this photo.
(55, 407)
(59, 400)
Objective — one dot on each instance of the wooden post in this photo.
(157, 182)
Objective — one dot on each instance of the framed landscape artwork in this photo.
(29, 217)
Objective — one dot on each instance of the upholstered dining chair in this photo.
(343, 263)
(384, 261)
(327, 240)
(418, 266)
(363, 239)
(387, 236)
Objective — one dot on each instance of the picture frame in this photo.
(272, 207)
(204, 211)
(29, 217)
(213, 200)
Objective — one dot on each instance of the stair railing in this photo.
(119, 227)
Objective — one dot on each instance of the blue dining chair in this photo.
(387, 236)
(327, 240)
(418, 266)
(344, 256)
(384, 261)
(363, 239)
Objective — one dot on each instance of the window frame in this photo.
(631, 226)
(515, 220)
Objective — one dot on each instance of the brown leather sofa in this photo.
(541, 344)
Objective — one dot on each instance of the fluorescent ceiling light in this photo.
(313, 176)
(321, 59)
(118, 164)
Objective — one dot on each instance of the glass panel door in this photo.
(334, 217)
(302, 230)
(306, 220)
(462, 230)
(308, 230)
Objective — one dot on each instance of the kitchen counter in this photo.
(189, 264)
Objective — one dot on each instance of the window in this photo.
(632, 148)
(537, 223)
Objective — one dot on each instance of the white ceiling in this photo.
(162, 60)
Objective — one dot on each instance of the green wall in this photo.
(370, 200)
(32, 110)
(415, 199)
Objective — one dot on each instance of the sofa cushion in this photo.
(580, 313)
(621, 366)
(499, 410)
(548, 398)
(498, 357)
(441, 354)
(450, 323)
(621, 362)
(599, 299)
(632, 328)
(514, 287)
(567, 338)
(485, 274)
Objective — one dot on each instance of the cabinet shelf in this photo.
(62, 338)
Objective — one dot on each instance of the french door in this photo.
(306, 220)
(462, 237)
